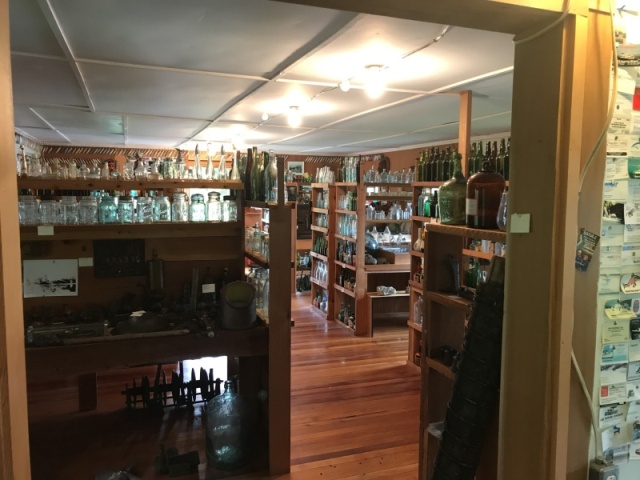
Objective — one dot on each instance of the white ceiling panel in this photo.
(160, 92)
(44, 81)
(45, 135)
(97, 140)
(30, 32)
(328, 137)
(163, 127)
(491, 125)
(72, 122)
(332, 150)
(23, 117)
(149, 141)
(252, 37)
(259, 135)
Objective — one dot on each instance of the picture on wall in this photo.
(296, 168)
(50, 278)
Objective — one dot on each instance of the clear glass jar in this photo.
(214, 207)
(28, 210)
(161, 209)
(108, 210)
(49, 212)
(126, 213)
(229, 209)
(88, 210)
(69, 210)
(197, 209)
(145, 209)
(180, 208)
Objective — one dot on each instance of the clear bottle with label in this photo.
(161, 209)
(214, 207)
(484, 191)
(180, 207)
(145, 210)
(197, 209)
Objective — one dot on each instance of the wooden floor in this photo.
(354, 414)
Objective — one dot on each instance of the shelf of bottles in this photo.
(322, 200)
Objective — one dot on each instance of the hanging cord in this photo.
(553, 24)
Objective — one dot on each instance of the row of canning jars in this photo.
(107, 209)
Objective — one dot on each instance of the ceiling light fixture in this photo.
(294, 119)
(265, 116)
(374, 86)
(345, 85)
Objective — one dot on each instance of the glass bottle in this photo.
(161, 209)
(88, 210)
(271, 179)
(235, 168)
(199, 171)
(180, 207)
(484, 191)
(507, 158)
(35, 167)
(452, 197)
(108, 210)
(208, 172)
(248, 171)
(500, 158)
(257, 177)
(27, 210)
(145, 209)
(140, 171)
(417, 311)
(229, 209)
(69, 210)
(227, 434)
(104, 171)
(125, 209)
(214, 207)
(502, 211)
(180, 166)
(420, 166)
(83, 171)
(446, 164)
(168, 169)
(434, 207)
(477, 160)
(197, 209)
(471, 160)
(222, 166)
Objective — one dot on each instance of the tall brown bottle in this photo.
(484, 191)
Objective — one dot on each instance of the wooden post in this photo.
(14, 433)
(464, 130)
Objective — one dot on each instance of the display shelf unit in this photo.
(210, 248)
(322, 230)
(445, 319)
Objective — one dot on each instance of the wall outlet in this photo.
(603, 470)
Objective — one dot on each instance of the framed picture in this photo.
(297, 168)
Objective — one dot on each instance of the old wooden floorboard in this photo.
(355, 407)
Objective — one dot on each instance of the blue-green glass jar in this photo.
(125, 209)
(108, 210)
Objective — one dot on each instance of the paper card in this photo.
(610, 256)
(608, 284)
(631, 233)
(612, 414)
(615, 331)
(621, 125)
(615, 436)
(613, 393)
(630, 283)
(612, 233)
(633, 190)
(633, 371)
(633, 407)
(50, 278)
(631, 254)
(634, 351)
(632, 213)
(618, 144)
(618, 455)
(618, 310)
(624, 105)
(616, 169)
(614, 353)
(627, 80)
(612, 374)
(635, 432)
(634, 328)
(635, 121)
(585, 249)
(209, 288)
(634, 453)
(615, 191)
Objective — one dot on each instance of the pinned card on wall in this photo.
(615, 331)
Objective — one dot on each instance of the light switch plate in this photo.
(45, 230)
(520, 223)
(85, 262)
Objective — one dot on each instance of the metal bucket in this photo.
(238, 306)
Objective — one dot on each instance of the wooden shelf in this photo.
(476, 254)
(416, 253)
(345, 265)
(462, 231)
(382, 222)
(449, 300)
(319, 210)
(323, 186)
(441, 368)
(133, 230)
(417, 286)
(427, 184)
(382, 196)
(387, 185)
(395, 295)
(319, 283)
(344, 290)
(346, 184)
(316, 228)
(415, 326)
(346, 212)
(418, 218)
(344, 237)
(257, 259)
(319, 256)
(100, 184)
(388, 267)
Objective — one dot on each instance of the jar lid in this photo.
(197, 197)
(179, 195)
(230, 198)
(214, 195)
(69, 198)
(145, 199)
(26, 198)
(89, 198)
(126, 198)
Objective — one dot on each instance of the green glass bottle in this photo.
(507, 158)
(477, 160)
(471, 160)
(453, 195)
(420, 167)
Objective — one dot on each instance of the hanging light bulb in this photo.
(293, 118)
(374, 87)
(345, 85)
(265, 116)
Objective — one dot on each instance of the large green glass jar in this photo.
(452, 197)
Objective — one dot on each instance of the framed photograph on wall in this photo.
(296, 168)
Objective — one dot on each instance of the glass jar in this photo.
(502, 211)
(229, 209)
(180, 208)
(88, 210)
(125, 209)
(227, 431)
(453, 196)
(145, 209)
(69, 211)
(108, 210)
(49, 212)
(214, 207)
(484, 191)
(28, 210)
(197, 209)
(161, 209)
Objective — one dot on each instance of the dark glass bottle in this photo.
(477, 160)
(437, 165)
(446, 164)
(507, 158)
(484, 191)
(256, 176)
(435, 211)
(500, 158)
(494, 157)
(248, 173)
(452, 199)
(471, 160)
(420, 167)
(429, 166)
